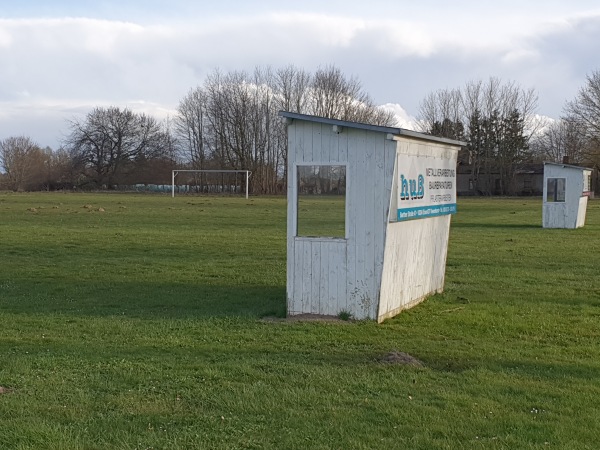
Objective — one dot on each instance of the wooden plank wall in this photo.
(415, 250)
(414, 268)
(328, 276)
(564, 214)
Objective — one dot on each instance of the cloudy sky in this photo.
(60, 58)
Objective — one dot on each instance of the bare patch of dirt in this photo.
(5, 390)
(396, 357)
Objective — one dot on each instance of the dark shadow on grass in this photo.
(542, 370)
(549, 370)
(144, 300)
(524, 226)
(449, 365)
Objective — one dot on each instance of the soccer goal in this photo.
(210, 181)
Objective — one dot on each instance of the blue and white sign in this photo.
(426, 187)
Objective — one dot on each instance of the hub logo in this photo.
(411, 189)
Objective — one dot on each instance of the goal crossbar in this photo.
(175, 172)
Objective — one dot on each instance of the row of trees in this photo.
(497, 121)
(110, 146)
(499, 124)
(29, 167)
(231, 122)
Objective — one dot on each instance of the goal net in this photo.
(229, 182)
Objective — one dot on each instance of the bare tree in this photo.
(334, 96)
(242, 113)
(62, 171)
(266, 125)
(562, 138)
(440, 113)
(292, 88)
(110, 138)
(228, 112)
(22, 161)
(231, 121)
(586, 105)
(191, 127)
(585, 110)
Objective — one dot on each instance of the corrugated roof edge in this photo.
(369, 127)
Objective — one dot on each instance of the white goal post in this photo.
(175, 172)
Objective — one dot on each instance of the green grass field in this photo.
(136, 322)
(322, 216)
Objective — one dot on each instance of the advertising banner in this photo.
(426, 187)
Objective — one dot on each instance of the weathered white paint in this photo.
(378, 268)
(581, 211)
(415, 250)
(570, 213)
(413, 268)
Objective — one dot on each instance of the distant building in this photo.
(566, 193)
(528, 180)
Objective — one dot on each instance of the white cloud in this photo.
(55, 67)
(520, 55)
(5, 38)
(328, 30)
(403, 119)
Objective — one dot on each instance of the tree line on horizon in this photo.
(499, 123)
(231, 122)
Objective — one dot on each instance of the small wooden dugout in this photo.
(566, 192)
(369, 212)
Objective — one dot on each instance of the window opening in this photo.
(321, 201)
(555, 189)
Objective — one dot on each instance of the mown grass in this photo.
(322, 215)
(141, 326)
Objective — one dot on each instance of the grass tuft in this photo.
(345, 315)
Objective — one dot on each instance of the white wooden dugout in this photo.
(566, 192)
(369, 211)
